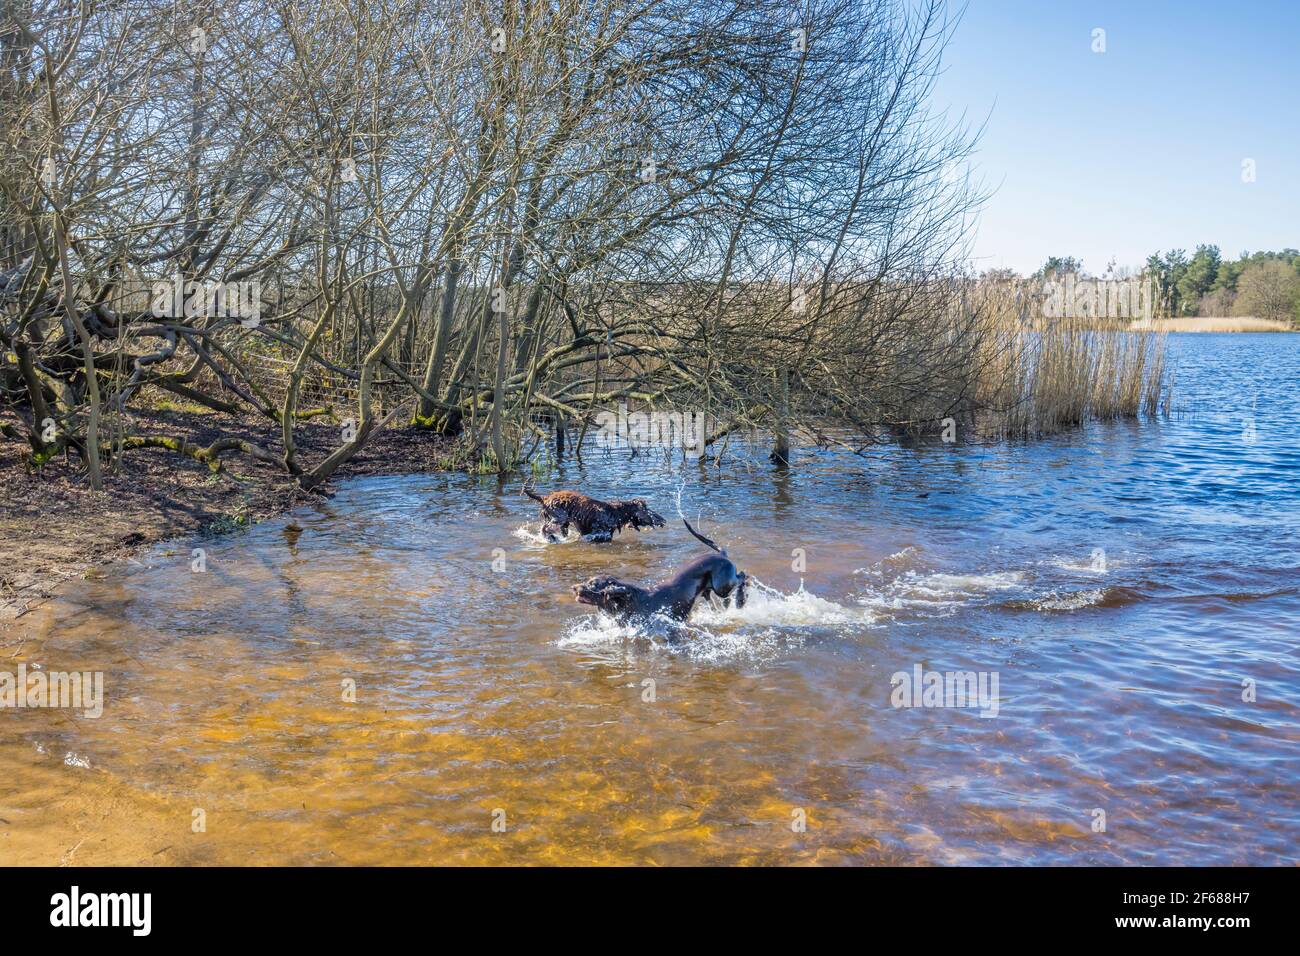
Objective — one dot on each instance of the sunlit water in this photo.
(1128, 585)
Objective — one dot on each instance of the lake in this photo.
(400, 674)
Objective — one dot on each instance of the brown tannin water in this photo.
(1125, 597)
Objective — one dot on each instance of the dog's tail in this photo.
(528, 490)
(707, 541)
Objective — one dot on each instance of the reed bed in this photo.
(948, 360)
(1038, 376)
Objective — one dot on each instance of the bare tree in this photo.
(478, 215)
(1269, 290)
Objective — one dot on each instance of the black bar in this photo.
(949, 907)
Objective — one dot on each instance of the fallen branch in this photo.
(209, 455)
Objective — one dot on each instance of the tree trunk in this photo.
(781, 447)
(442, 336)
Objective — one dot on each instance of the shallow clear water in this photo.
(1121, 583)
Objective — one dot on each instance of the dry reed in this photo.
(1037, 376)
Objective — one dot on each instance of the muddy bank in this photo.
(54, 529)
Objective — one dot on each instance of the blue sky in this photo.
(1140, 148)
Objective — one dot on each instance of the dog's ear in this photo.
(603, 585)
(729, 583)
(616, 596)
(741, 590)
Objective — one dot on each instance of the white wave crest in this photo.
(892, 561)
(1094, 564)
(936, 594)
(950, 588)
(1068, 601)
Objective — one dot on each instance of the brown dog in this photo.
(595, 520)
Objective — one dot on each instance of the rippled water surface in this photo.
(1127, 585)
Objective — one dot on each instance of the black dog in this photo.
(711, 574)
(595, 520)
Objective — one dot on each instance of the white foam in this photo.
(1088, 565)
(937, 594)
(530, 535)
(970, 585)
(765, 606)
(770, 623)
(1069, 601)
(898, 557)
(600, 629)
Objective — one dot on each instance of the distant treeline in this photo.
(1264, 285)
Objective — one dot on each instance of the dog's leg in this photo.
(678, 635)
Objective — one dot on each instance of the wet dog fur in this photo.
(706, 575)
(595, 520)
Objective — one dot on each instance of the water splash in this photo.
(529, 535)
(770, 624)
(768, 607)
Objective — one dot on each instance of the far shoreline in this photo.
(1215, 324)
